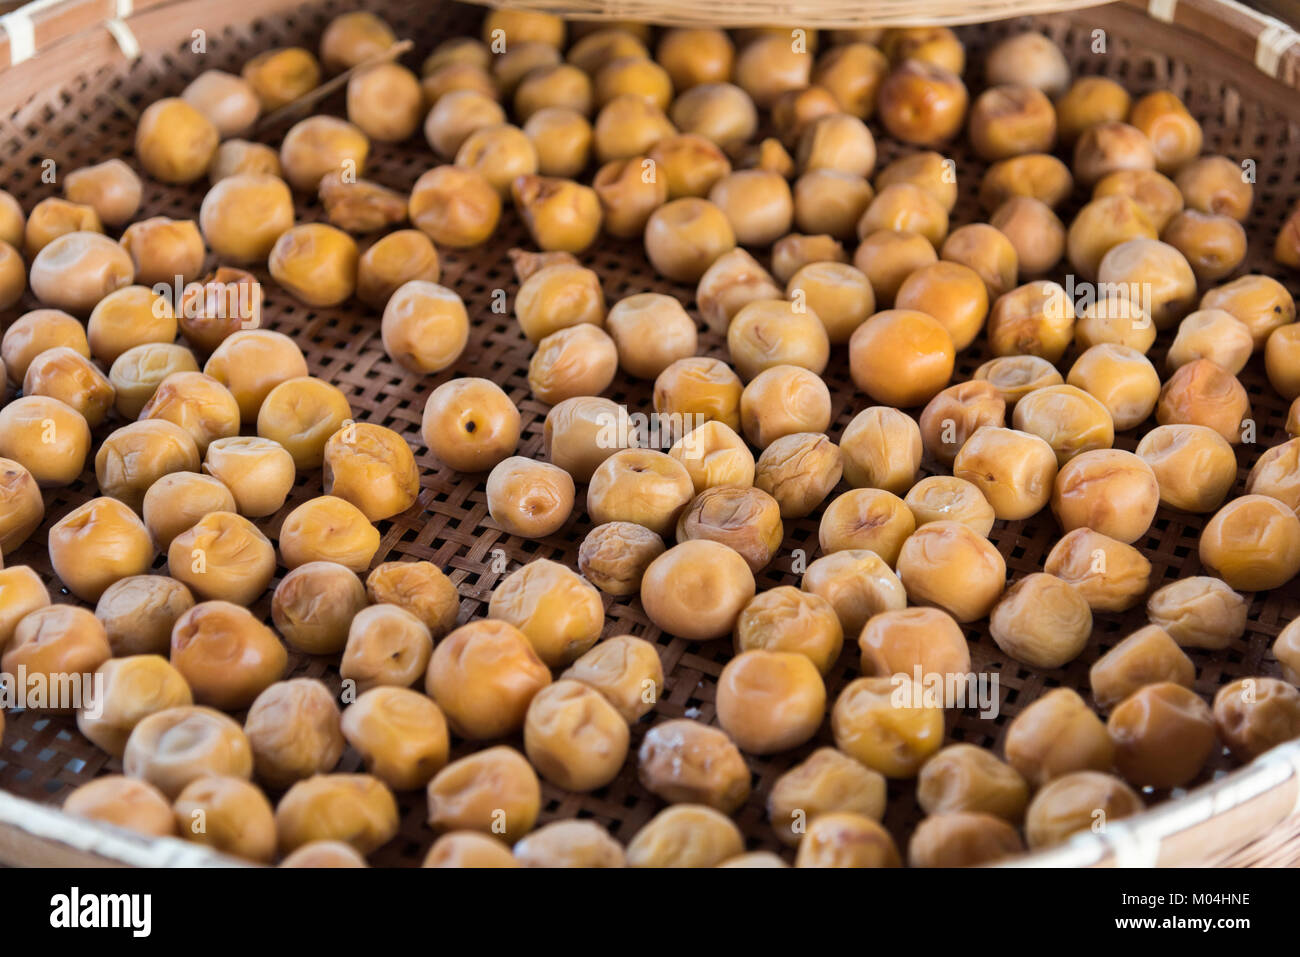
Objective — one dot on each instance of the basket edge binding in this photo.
(34, 834)
(1169, 834)
(1138, 842)
(1181, 832)
(42, 25)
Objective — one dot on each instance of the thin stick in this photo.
(314, 96)
(123, 105)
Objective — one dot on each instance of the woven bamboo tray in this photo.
(73, 102)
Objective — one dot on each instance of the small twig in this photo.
(123, 105)
(314, 96)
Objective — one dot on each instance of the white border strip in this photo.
(21, 30)
(20, 27)
(1284, 759)
(126, 41)
(1274, 41)
(1162, 10)
(121, 30)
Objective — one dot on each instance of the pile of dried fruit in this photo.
(681, 157)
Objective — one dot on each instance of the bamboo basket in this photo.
(821, 14)
(76, 72)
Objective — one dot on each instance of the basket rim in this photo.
(97, 841)
(39, 27)
(74, 26)
(1140, 840)
(1133, 842)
